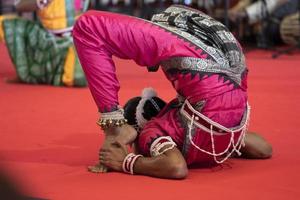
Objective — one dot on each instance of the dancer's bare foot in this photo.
(98, 168)
(124, 134)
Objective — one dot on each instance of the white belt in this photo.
(193, 116)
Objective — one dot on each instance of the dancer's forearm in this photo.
(171, 164)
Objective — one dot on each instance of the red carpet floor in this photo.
(48, 136)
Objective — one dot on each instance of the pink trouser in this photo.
(99, 35)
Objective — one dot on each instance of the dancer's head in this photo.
(139, 110)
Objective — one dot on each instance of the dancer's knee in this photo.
(257, 147)
(265, 151)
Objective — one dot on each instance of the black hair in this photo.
(149, 110)
(130, 109)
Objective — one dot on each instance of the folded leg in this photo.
(256, 147)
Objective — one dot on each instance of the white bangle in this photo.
(41, 4)
(158, 145)
(128, 163)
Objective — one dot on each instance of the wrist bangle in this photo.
(128, 163)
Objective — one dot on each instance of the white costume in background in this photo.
(260, 9)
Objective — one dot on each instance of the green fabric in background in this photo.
(38, 56)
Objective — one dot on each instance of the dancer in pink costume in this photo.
(205, 124)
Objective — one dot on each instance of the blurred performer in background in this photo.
(290, 29)
(206, 124)
(267, 17)
(42, 51)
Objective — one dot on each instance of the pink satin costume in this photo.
(99, 35)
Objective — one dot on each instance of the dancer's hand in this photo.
(114, 137)
(113, 156)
